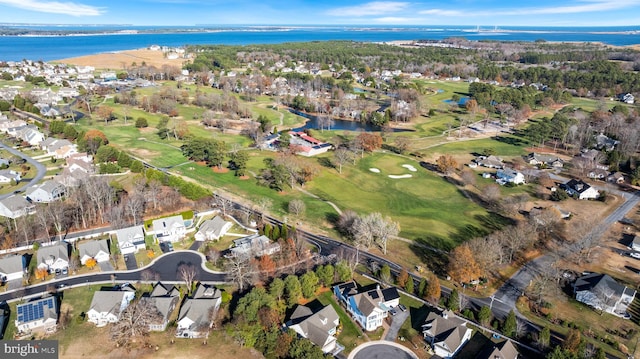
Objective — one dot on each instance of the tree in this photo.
(297, 207)
(544, 338)
(385, 274)
(239, 270)
(325, 274)
(468, 176)
(134, 322)
(510, 324)
(187, 273)
(491, 194)
(453, 302)
(409, 286)
(266, 265)
(484, 316)
(446, 164)
(463, 267)
(141, 122)
(293, 289)
(41, 273)
(422, 286)
(342, 156)
(369, 141)
(309, 282)
(572, 340)
(276, 288)
(402, 278)
(90, 263)
(343, 271)
(238, 161)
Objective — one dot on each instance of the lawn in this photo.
(351, 335)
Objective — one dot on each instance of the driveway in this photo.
(131, 263)
(196, 245)
(396, 323)
(41, 169)
(14, 284)
(105, 266)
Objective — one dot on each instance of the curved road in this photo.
(42, 170)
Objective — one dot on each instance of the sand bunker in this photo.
(410, 168)
(400, 176)
(374, 170)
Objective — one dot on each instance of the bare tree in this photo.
(153, 191)
(134, 322)
(213, 255)
(384, 228)
(44, 220)
(187, 273)
(239, 269)
(135, 206)
(297, 207)
(342, 156)
(149, 275)
(224, 204)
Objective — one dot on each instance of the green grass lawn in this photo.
(351, 334)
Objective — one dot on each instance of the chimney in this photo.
(377, 286)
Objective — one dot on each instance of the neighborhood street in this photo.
(41, 169)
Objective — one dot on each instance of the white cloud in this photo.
(369, 9)
(55, 7)
(440, 12)
(397, 20)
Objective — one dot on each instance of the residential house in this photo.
(169, 229)
(606, 143)
(16, 206)
(213, 229)
(59, 148)
(445, 333)
(96, 249)
(164, 299)
(368, 307)
(197, 312)
(306, 145)
(635, 244)
(107, 306)
(602, 292)
(48, 191)
(503, 350)
(79, 167)
(37, 315)
(581, 189)
(542, 159)
(7, 126)
(131, 239)
(597, 173)
(31, 135)
(490, 162)
(12, 268)
(54, 257)
(255, 245)
(616, 177)
(627, 98)
(6, 176)
(509, 175)
(319, 327)
(4, 162)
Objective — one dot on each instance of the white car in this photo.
(635, 255)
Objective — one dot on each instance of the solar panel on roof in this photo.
(373, 294)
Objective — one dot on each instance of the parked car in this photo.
(635, 255)
(402, 307)
(65, 271)
(393, 311)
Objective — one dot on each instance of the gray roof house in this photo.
(12, 268)
(196, 314)
(7, 176)
(169, 229)
(538, 159)
(504, 350)
(213, 229)
(53, 257)
(255, 245)
(580, 189)
(98, 250)
(318, 327)
(48, 191)
(490, 162)
(165, 300)
(367, 306)
(131, 239)
(37, 315)
(16, 206)
(445, 333)
(602, 292)
(106, 306)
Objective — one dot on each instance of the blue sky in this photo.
(332, 12)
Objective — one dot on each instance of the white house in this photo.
(213, 229)
(6, 176)
(15, 206)
(48, 191)
(445, 333)
(196, 314)
(319, 327)
(169, 229)
(12, 268)
(537, 159)
(580, 189)
(98, 250)
(38, 315)
(368, 307)
(165, 300)
(255, 245)
(635, 244)
(54, 257)
(131, 239)
(508, 175)
(107, 306)
(602, 292)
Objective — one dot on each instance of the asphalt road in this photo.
(41, 169)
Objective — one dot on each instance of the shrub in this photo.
(141, 122)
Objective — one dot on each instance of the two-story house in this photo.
(213, 229)
(169, 229)
(164, 299)
(107, 306)
(369, 307)
(603, 293)
(197, 312)
(48, 191)
(319, 326)
(53, 258)
(37, 315)
(445, 333)
(131, 239)
(12, 267)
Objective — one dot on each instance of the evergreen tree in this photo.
(421, 287)
(453, 302)
(409, 286)
(510, 324)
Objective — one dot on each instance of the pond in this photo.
(461, 102)
(344, 125)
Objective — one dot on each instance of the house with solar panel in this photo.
(368, 307)
(37, 315)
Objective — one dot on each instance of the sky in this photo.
(330, 12)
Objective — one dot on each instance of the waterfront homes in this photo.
(98, 250)
(12, 267)
(254, 245)
(368, 307)
(46, 192)
(213, 229)
(197, 312)
(580, 189)
(107, 306)
(37, 315)
(16, 206)
(319, 326)
(445, 333)
(169, 229)
(603, 293)
(164, 299)
(53, 258)
(130, 239)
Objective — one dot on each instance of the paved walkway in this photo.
(382, 349)
(396, 323)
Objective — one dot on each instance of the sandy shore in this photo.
(122, 59)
